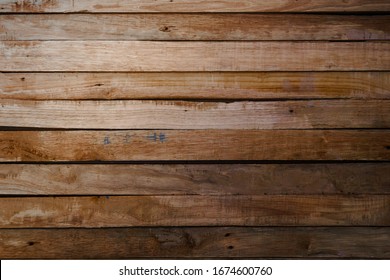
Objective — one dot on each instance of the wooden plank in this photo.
(202, 179)
(140, 56)
(201, 85)
(195, 210)
(196, 242)
(196, 115)
(143, 145)
(121, 6)
(194, 27)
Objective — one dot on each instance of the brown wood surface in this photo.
(196, 242)
(201, 85)
(111, 145)
(195, 210)
(194, 129)
(120, 6)
(203, 179)
(196, 115)
(169, 56)
(194, 27)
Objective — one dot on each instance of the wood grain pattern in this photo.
(201, 85)
(113, 6)
(196, 242)
(194, 27)
(195, 115)
(164, 145)
(194, 129)
(203, 179)
(240, 210)
(169, 56)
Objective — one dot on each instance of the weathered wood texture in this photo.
(210, 242)
(203, 179)
(195, 210)
(201, 85)
(194, 27)
(196, 115)
(194, 129)
(163, 145)
(169, 56)
(120, 6)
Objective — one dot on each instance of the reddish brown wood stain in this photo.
(194, 129)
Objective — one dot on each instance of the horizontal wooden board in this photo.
(149, 56)
(196, 242)
(194, 27)
(113, 6)
(122, 114)
(203, 179)
(201, 85)
(195, 210)
(147, 145)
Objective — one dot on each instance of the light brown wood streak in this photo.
(202, 179)
(112, 6)
(170, 56)
(200, 242)
(202, 85)
(195, 115)
(194, 145)
(123, 211)
(194, 27)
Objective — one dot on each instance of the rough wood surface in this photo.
(195, 210)
(120, 6)
(168, 145)
(195, 115)
(194, 129)
(196, 242)
(194, 27)
(203, 179)
(201, 85)
(169, 56)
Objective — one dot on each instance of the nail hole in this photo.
(165, 29)
(30, 243)
(22, 78)
(230, 247)
(227, 234)
(291, 111)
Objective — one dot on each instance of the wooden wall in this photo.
(194, 129)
